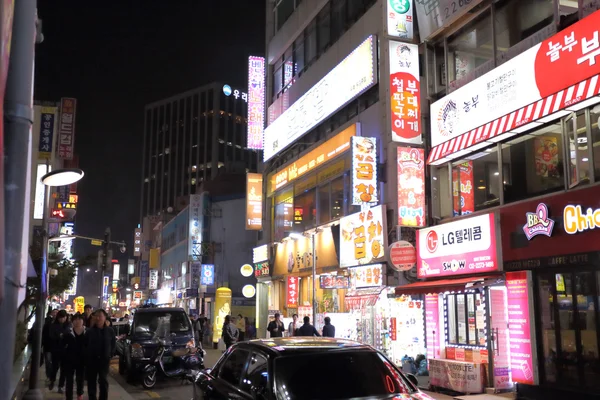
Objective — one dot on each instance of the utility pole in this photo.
(105, 263)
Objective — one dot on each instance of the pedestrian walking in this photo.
(87, 315)
(328, 329)
(241, 327)
(230, 332)
(275, 327)
(208, 331)
(100, 347)
(307, 329)
(74, 356)
(57, 330)
(46, 344)
(293, 326)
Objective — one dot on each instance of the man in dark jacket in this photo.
(328, 329)
(46, 345)
(57, 330)
(100, 347)
(87, 315)
(275, 327)
(307, 329)
(74, 356)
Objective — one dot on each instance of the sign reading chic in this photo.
(576, 221)
(538, 223)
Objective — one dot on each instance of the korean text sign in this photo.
(153, 283)
(400, 18)
(207, 276)
(454, 375)
(366, 276)
(457, 248)
(293, 290)
(405, 92)
(363, 237)
(364, 170)
(529, 77)
(66, 128)
(254, 197)
(411, 187)
(46, 132)
(256, 102)
(195, 226)
(518, 286)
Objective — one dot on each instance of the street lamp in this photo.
(59, 177)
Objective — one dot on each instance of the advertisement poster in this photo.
(66, 128)
(546, 156)
(432, 325)
(405, 92)
(462, 189)
(367, 276)
(256, 102)
(456, 248)
(363, 237)
(411, 187)
(222, 309)
(400, 18)
(207, 274)
(521, 354)
(455, 375)
(293, 290)
(528, 87)
(46, 132)
(254, 195)
(364, 170)
(502, 373)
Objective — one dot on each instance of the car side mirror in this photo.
(413, 379)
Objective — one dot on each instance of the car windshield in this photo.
(337, 375)
(146, 323)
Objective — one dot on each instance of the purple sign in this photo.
(538, 223)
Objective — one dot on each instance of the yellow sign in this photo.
(73, 198)
(246, 270)
(325, 152)
(254, 193)
(79, 304)
(222, 308)
(96, 242)
(154, 258)
(296, 256)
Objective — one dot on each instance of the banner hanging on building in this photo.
(195, 227)
(364, 170)
(153, 283)
(254, 195)
(411, 187)
(46, 132)
(144, 274)
(363, 237)
(405, 92)
(66, 128)
(256, 102)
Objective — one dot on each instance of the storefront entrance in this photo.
(568, 335)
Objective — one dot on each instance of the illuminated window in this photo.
(465, 319)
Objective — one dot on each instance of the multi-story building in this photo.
(188, 139)
(484, 124)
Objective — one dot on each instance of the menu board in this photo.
(432, 325)
(521, 356)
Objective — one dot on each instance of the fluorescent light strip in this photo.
(584, 104)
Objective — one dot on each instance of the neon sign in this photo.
(538, 223)
(576, 221)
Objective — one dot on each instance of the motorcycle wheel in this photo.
(149, 380)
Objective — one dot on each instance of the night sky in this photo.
(115, 57)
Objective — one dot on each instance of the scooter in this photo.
(184, 361)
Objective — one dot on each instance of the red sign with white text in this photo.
(393, 327)
(519, 327)
(293, 289)
(411, 187)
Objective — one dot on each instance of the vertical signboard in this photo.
(463, 194)
(144, 274)
(66, 128)
(293, 286)
(153, 283)
(195, 226)
(518, 288)
(400, 18)
(38, 205)
(254, 194)
(46, 132)
(405, 93)
(411, 187)
(105, 283)
(364, 170)
(207, 274)
(137, 242)
(195, 275)
(502, 371)
(256, 102)
(363, 237)
(222, 309)
(432, 325)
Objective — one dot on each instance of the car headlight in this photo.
(137, 351)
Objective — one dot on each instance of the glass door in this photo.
(568, 316)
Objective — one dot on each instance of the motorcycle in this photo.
(182, 361)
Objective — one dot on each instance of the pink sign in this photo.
(432, 325)
(519, 327)
(467, 246)
(502, 375)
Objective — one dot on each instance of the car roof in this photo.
(282, 346)
(159, 310)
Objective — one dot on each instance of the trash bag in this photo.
(422, 369)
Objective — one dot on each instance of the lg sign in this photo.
(432, 241)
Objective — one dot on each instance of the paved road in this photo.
(167, 389)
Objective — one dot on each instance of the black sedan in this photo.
(304, 368)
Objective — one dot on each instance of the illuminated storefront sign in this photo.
(355, 74)
(38, 206)
(248, 291)
(46, 132)
(254, 205)
(260, 253)
(334, 282)
(364, 170)
(137, 242)
(538, 223)
(207, 274)
(195, 227)
(405, 89)
(400, 18)
(262, 269)
(228, 91)
(153, 281)
(366, 276)
(323, 153)
(293, 291)
(576, 220)
(222, 309)
(246, 270)
(463, 195)
(256, 102)
(411, 187)
(363, 237)
(66, 128)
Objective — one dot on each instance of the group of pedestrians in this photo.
(236, 330)
(276, 328)
(80, 347)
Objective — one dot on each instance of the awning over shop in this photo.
(359, 299)
(445, 285)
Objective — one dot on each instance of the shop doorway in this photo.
(568, 331)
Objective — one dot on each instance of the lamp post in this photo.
(59, 177)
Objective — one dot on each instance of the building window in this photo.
(324, 211)
(299, 56)
(337, 198)
(516, 20)
(470, 47)
(305, 211)
(575, 129)
(595, 136)
(324, 28)
(465, 319)
(283, 10)
(283, 218)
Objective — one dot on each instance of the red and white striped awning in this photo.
(518, 121)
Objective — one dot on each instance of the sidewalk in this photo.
(115, 391)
